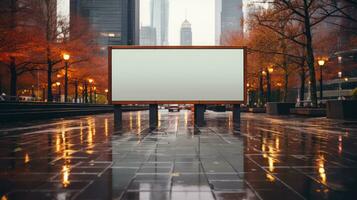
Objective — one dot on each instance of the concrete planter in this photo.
(257, 110)
(279, 108)
(309, 112)
(342, 109)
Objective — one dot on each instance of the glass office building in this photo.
(116, 21)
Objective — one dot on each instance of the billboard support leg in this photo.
(236, 117)
(117, 117)
(199, 114)
(153, 115)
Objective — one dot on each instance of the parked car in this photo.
(174, 107)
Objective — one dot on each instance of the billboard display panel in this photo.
(205, 75)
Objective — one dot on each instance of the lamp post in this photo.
(269, 71)
(59, 91)
(339, 85)
(90, 90)
(66, 58)
(95, 94)
(107, 93)
(321, 63)
(248, 85)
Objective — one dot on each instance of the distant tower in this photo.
(160, 20)
(186, 34)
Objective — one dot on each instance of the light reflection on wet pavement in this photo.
(269, 158)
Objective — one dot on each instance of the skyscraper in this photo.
(116, 21)
(160, 20)
(229, 15)
(186, 34)
(147, 36)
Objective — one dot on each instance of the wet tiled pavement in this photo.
(268, 158)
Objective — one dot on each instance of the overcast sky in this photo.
(200, 13)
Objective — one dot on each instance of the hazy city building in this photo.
(229, 17)
(249, 8)
(116, 21)
(186, 34)
(160, 20)
(218, 10)
(147, 36)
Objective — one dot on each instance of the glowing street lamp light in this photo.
(339, 59)
(270, 70)
(321, 63)
(66, 57)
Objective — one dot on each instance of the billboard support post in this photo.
(153, 115)
(199, 115)
(236, 116)
(117, 117)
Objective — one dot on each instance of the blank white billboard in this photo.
(177, 75)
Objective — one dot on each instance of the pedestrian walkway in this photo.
(268, 158)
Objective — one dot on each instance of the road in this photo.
(268, 158)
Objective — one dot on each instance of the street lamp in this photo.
(59, 91)
(269, 70)
(339, 85)
(248, 85)
(66, 58)
(90, 90)
(107, 93)
(95, 94)
(321, 63)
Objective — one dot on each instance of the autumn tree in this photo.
(57, 38)
(17, 40)
(304, 13)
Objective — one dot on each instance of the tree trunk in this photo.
(49, 81)
(13, 77)
(85, 92)
(76, 91)
(268, 86)
(286, 84)
(261, 91)
(302, 86)
(310, 60)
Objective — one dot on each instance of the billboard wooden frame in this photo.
(110, 48)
